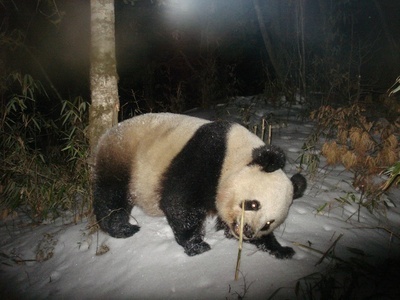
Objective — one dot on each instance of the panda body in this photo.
(187, 168)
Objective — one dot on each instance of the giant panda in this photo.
(186, 168)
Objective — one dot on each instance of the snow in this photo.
(58, 260)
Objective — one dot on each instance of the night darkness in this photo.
(204, 51)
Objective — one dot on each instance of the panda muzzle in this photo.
(247, 230)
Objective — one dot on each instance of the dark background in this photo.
(175, 55)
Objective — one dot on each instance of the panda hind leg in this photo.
(112, 210)
(117, 225)
(269, 244)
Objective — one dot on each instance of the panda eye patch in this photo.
(267, 225)
(253, 205)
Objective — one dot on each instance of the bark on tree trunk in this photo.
(276, 63)
(104, 108)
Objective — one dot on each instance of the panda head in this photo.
(264, 189)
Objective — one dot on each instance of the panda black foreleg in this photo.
(269, 244)
(187, 225)
(194, 245)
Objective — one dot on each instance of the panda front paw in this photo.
(123, 230)
(269, 244)
(195, 248)
(283, 253)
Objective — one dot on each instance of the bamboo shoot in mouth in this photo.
(240, 244)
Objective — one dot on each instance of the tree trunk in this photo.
(275, 61)
(104, 108)
(301, 50)
(392, 42)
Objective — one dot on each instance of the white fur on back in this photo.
(151, 141)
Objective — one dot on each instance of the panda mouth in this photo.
(248, 232)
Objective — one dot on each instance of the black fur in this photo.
(270, 158)
(189, 186)
(299, 185)
(221, 225)
(267, 243)
(111, 205)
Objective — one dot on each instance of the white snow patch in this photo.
(151, 265)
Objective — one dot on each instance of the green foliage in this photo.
(393, 171)
(43, 161)
(310, 156)
(395, 88)
(351, 198)
(394, 176)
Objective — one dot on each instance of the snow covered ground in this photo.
(59, 261)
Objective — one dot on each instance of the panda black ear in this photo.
(299, 185)
(270, 158)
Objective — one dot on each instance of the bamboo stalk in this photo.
(263, 129)
(269, 134)
(326, 253)
(240, 244)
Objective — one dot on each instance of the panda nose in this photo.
(247, 231)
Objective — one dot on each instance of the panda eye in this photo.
(253, 205)
(267, 225)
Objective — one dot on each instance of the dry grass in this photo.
(364, 147)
